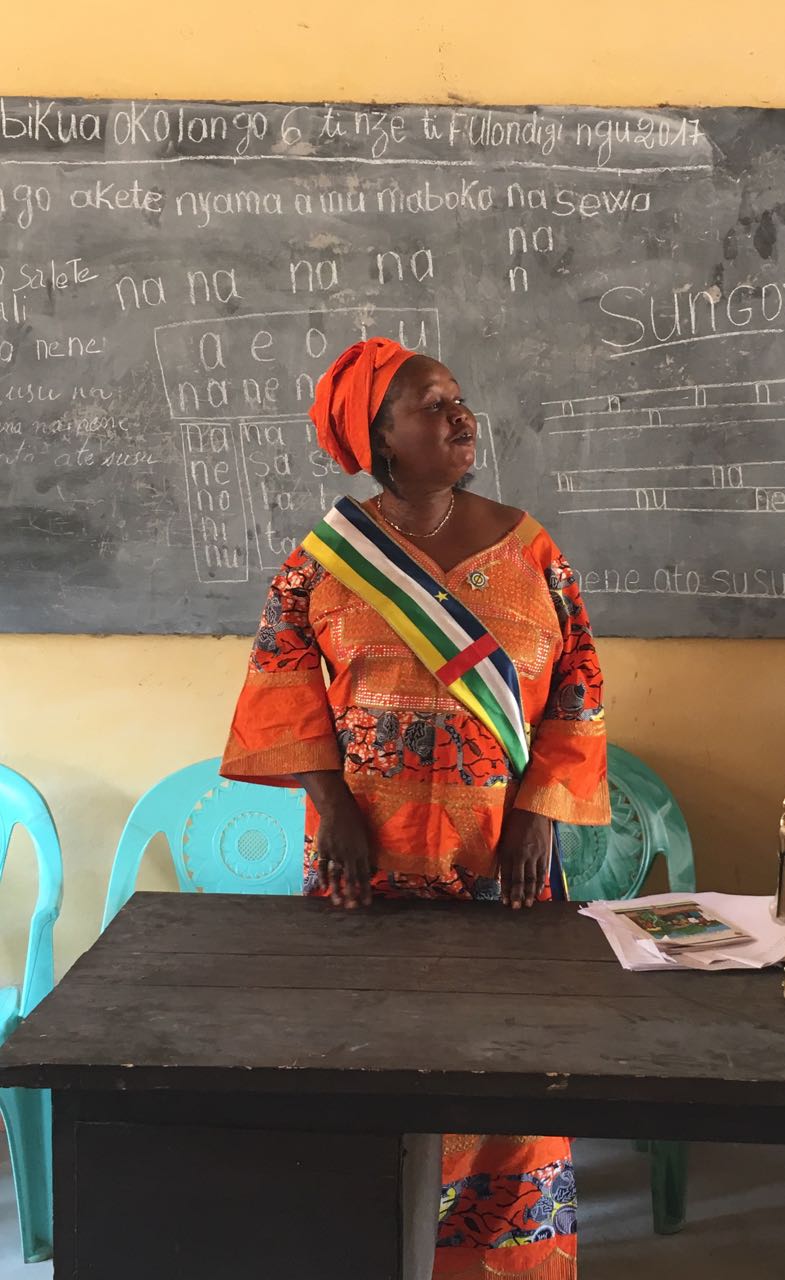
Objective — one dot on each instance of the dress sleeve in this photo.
(566, 778)
(282, 722)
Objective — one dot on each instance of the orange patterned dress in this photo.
(331, 686)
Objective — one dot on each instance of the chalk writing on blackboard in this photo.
(175, 277)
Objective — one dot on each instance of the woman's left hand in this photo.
(524, 855)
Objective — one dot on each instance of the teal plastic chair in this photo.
(614, 862)
(27, 1113)
(224, 837)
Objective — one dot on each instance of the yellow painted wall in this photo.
(95, 721)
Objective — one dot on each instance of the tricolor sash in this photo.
(446, 636)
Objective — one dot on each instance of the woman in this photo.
(463, 715)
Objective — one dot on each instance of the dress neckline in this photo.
(369, 506)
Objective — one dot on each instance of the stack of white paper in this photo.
(754, 915)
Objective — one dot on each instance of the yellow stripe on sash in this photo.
(462, 693)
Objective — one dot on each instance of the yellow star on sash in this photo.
(442, 595)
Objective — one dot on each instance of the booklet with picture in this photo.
(681, 924)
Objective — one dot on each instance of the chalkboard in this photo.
(174, 277)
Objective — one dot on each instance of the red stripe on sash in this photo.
(466, 659)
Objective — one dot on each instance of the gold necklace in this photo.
(406, 532)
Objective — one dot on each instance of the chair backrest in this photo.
(22, 805)
(224, 837)
(613, 862)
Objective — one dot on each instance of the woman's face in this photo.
(432, 437)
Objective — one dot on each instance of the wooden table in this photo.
(249, 1085)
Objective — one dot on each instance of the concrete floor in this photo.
(736, 1227)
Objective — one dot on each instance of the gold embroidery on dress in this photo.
(455, 1144)
(594, 728)
(557, 1266)
(448, 795)
(460, 805)
(285, 679)
(556, 801)
(385, 673)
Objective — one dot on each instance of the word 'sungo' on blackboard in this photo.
(175, 277)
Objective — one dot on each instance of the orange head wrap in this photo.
(348, 397)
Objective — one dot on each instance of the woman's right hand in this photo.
(345, 855)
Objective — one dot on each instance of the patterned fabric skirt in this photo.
(508, 1205)
(508, 1209)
